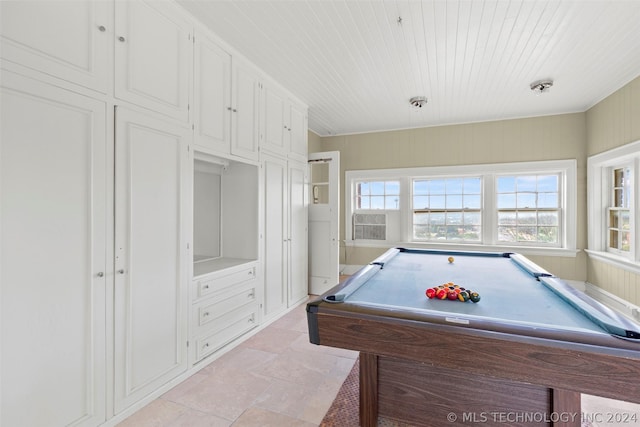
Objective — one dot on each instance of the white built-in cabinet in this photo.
(150, 293)
(66, 40)
(227, 102)
(141, 229)
(225, 290)
(285, 233)
(153, 55)
(54, 274)
(285, 124)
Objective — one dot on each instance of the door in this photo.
(276, 237)
(212, 96)
(246, 110)
(276, 134)
(153, 53)
(298, 233)
(53, 207)
(69, 40)
(324, 221)
(150, 254)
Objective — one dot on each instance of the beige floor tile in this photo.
(258, 417)
(273, 340)
(158, 413)
(226, 397)
(192, 418)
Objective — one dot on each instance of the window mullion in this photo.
(489, 210)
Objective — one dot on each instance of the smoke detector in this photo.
(418, 101)
(541, 86)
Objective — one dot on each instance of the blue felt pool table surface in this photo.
(513, 290)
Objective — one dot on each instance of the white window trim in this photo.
(598, 184)
(567, 168)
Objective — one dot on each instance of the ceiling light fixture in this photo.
(418, 101)
(541, 86)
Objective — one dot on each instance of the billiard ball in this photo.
(441, 294)
(450, 259)
(431, 292)
(475, 297)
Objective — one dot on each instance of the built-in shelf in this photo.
(207, 266)
(225, 206)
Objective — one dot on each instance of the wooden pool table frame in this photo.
(421, 373)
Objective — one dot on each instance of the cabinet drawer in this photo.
(210, 312)
(226, 329)
(209, 285)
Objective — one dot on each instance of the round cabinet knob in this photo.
(121, 271)
(102, 28)
(122, 39)
(100, 274)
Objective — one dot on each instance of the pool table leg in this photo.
(567, 402)
(368, 390)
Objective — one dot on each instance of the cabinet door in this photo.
(150, 254)
(275, 230)
(53, 206)
(276, 136)
(69, 40)
(298, 132)
(153, 56)
(246, 111)
(212, 96)
(298, 233)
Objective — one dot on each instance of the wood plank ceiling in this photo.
(356, 63)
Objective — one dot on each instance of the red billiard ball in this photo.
(452, 295)
(441, 294)
(431, 292)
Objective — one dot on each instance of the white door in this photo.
(212, 96)
(246, 110)
(153, 55)
(66, 39)
(53, 206)
(298, 233)
(150, 254)
(276, 134)
(324, 221)
(275, 235)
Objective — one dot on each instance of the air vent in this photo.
(369, 227)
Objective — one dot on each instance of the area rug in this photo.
(345, 407)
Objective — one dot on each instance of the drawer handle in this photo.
(205, 345)
(205, 314)
(251, 294)
(100, 274)
(102, 28)
(122, 39)
(205, 287)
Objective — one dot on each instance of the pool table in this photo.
(521, 355)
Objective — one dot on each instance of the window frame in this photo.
(599, 198)
(489, 240)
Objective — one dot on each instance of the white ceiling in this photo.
(357, 67)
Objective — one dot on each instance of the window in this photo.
(619, 210)
(447, 209)
(613, 197)
(377, 194)
(528, 208)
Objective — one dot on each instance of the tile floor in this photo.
(275, 378)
